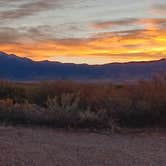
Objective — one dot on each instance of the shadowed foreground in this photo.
(41, 147)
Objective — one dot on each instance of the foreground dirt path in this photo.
(47, 147)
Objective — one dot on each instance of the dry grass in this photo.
(79, 105)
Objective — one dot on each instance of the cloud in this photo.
(28, 8)
(122, 46)
(56, 40)
(153, 23)
(158, 9)
(9, 35)
(8, 1)
(110, 24)
(146, 22)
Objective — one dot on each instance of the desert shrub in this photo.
(100, 120)
(85, 105)
(24, 113)
(65, 109)
(12, 91)
(67, 112)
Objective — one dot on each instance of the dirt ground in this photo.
(21, 146)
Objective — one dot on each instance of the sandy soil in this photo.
(47, 147)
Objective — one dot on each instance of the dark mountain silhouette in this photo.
(15, 68)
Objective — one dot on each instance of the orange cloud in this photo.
(152, 24)
(136, 45)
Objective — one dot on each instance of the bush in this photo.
(81, 105)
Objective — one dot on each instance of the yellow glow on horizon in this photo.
(140, 46)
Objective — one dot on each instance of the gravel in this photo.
(21, 146)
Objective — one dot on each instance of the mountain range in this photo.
(17, 68)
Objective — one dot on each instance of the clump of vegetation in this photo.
(80, 105)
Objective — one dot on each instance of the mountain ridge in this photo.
(17, 68)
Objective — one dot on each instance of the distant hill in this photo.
(16, 68)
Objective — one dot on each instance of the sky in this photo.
(84, 31)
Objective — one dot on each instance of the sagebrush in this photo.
(85, 105)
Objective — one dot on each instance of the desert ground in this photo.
(25, 146)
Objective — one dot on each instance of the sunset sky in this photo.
(84, 31)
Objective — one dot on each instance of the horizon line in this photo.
(54, 61)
